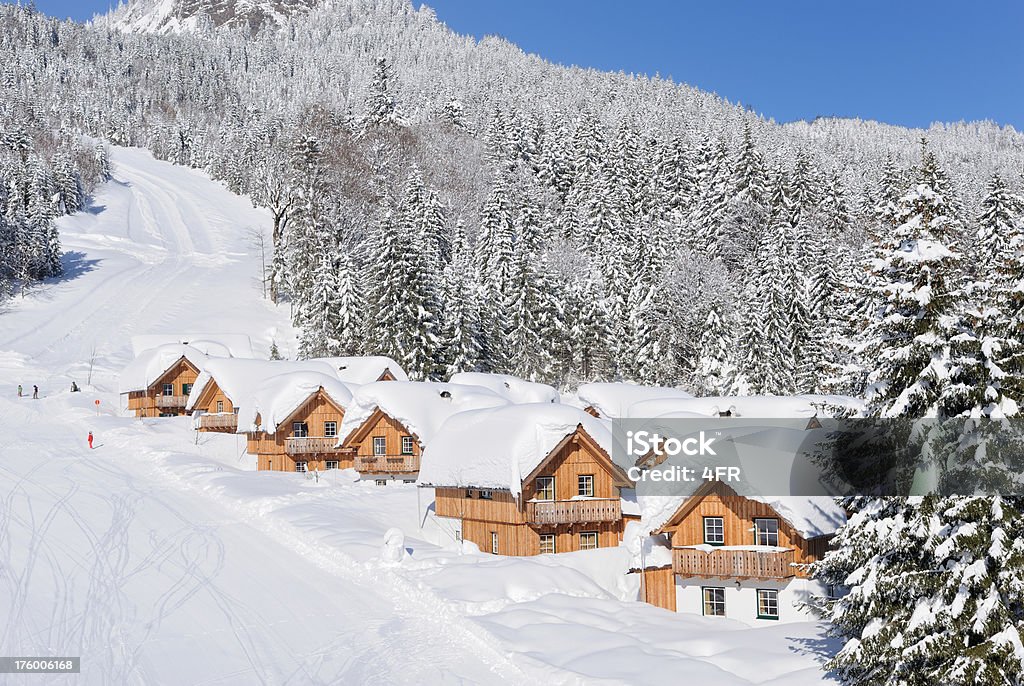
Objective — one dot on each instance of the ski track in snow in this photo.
(140, 558)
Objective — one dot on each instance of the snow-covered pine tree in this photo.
(319, 310)
(716, 366)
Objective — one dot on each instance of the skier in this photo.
(35, 392)
(19, 390)
(90, 440)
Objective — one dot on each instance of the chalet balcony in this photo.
(388, 464)
(733, 563)
(172, 401)
(574, 511)
(311, 445)
(220, 421)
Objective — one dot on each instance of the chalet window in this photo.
(714, 531)
(588, 540)
(168, 389)
(166, 414)
(714, 601)
(585, 485)
(486, 495)
(766, 532)
(407, 445)
(331, 464)
(547, 544)
(494, 542)
(300, 429)
(330, 429)
(545, 488)
(220, 406)
(469, 492)
(381, 482)
(234, 410)
(186, 388)
(767, 603)
(380, 445)
(300, 467)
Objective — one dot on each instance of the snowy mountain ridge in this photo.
(175, 16)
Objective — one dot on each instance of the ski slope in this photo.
(162, 557)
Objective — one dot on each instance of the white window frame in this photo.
(186, 388)
(380, 482)
(407, 445)
(710, 533)
(550, 488)
(494, 543)
(380, 446)
(331, 464)
(298, 432)
(585, 485)
(168, 390)
(766, 536)
(589, 540)
(715, 601)
(771, 598)
(330, 429)
(300, 467)
(548, 541)
(486, 495)
(220, 406)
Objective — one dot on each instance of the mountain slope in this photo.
(169, 16)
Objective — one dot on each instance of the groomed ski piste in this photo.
(162, 556)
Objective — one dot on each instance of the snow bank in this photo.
(614, 399)
(513, 388)
(279, 396)
(497, 448)
(151, 364)
(755, 406)
(421, 407)
(364, 370)
(239, 379)
(212, 344)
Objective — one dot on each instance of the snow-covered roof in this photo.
(755, 406)
(212, 344)
(499, 447)
(513, 388)
(420, 406)
(279, 396)
(613, 400)
(239, 379)
(151, 364)
(363, 370)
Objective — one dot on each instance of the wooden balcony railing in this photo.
(574, 511)
(388, 464)
(219, 422)
(171, 400)
(308, 445)
(750, 564)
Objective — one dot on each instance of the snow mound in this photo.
(215, 345)
(364, 370)
(614, 399)
(754, 406)
(421, 407)
(239, 379)
(513, 388)
(498, 447)
(153, 363)
(279, 396)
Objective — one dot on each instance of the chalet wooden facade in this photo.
(738, 557)
(571, 501)
(214, 410)
(382, 448)
(304, 441)
(168, 395)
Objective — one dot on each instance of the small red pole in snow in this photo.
(97, 409)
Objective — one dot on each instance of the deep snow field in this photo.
(161, 556)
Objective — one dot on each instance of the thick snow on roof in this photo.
(151, 364)
(279, 396)
(757, 406)
(363, 370)
(613, 400)
(418, 405)
(239, 379)
(213, 344)
(513, 388)
(497, 448)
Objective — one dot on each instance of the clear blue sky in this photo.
(906, 62)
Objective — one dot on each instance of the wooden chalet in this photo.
(742, 557)
(305, 440)
(158, 382)
(383, 448)
(569, 499)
